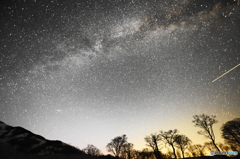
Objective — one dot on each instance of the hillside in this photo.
(17, 142)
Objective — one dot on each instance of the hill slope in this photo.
(17, 140)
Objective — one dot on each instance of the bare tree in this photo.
(192, 151)
(223, 147)
(209, 146)
(127, 151)
(116, 145)
(231, 132)
(152, 141)
(196, 150)
(200, 149)
(136, 154)
(92, 150)
(170, 139)
(182, 143)
(205, 122)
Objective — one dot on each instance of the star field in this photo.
(86, 71)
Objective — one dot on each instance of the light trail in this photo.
(226, 73)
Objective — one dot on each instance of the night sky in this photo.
(87, 71)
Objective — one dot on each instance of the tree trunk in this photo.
(215, 145)
(182, 153)
(157, 154)
(174, 153)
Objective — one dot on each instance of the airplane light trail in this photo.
(226, 73)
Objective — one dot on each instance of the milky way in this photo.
(86, 71)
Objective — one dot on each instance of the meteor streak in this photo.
(226, 73)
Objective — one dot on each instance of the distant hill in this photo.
(17, 141)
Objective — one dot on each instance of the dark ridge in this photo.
(24, 141)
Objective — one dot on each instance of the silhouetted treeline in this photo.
(179, 145)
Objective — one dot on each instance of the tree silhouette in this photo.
(127, 151)
(170, 139)
(135, 154)
(200, 149)
(92, 150)
(196, 150)
(152, 141)
(223, 147)
(182, 143)
(192, 151)
(116, 145)
(209, 146)
(145, 154)
(231, 132)
(205, 122)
